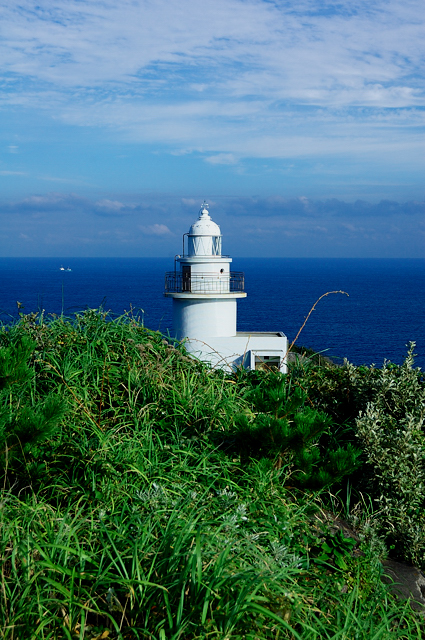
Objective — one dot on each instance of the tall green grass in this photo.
(130, 516)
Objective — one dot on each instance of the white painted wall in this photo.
(203, 318)
(206, 265)
(239, 350)
(208, 275)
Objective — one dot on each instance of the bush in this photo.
(26, 421)
(391, 432)
(282, 425)
(382, 411)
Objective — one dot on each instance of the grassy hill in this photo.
(144, 495)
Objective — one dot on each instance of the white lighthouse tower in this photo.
(205, 293)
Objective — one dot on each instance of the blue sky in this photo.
(301, 122)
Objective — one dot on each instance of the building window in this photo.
(267, 362)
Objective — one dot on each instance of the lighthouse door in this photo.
(186, 278)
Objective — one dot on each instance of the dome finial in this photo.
(204, 211)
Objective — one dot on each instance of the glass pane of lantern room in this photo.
(216, 245)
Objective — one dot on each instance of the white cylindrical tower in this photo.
(203, 288)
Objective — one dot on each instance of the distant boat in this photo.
(61, 268)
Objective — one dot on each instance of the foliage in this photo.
(382, 411)
(124, 519)
(335, 549)
(282, 425)
(391, 431)
(24, 422)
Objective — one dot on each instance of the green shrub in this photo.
(282, 425)
(391, 432)
(26, 421)
(382, 411)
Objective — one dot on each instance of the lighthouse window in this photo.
(216, 245)
(186, 278)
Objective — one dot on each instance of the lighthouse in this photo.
(205, 293)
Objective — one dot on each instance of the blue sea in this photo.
(383, 311)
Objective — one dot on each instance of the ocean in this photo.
(383, 311)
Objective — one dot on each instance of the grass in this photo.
(130, 516)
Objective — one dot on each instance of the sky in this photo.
(300, 122)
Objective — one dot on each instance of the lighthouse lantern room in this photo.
(205, 294)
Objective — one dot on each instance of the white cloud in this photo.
(156, 230)
(49, 199)
(251, 226)
(263, 79)
(299, 51)
(222, 158)
(55, 179)
(110, 205)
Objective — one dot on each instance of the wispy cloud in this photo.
(45, 178)
(110, 206)
(182, 211)
(262, 80)
(46, 203)
(222, 158)
(155, 230)
(294, 207)
(250, 226)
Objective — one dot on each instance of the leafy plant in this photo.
(282, 425)
(391, 432)
(24, 422)
(335, 549)
(14, 369)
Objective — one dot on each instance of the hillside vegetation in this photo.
(144, 495)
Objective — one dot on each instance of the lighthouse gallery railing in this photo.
(232, 282)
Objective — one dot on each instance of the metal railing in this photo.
(176, 282)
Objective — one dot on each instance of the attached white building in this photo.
(205, 294)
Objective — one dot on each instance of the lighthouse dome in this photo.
(204, 237)
(204, 226)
